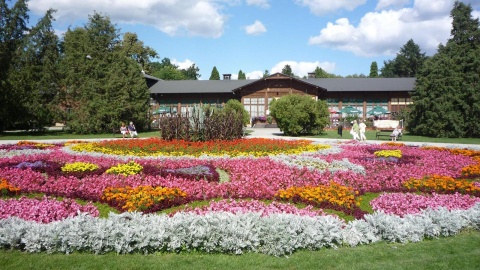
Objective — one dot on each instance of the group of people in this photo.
(358, 130)
(128, 130)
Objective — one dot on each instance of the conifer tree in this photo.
(103, 84)
(37, 78)
(215, 75)
(407, 63)
(446, 100)
(241, 75)
(373, 70)
(287, 70)
(13, 29)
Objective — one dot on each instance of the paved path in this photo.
(276, 133)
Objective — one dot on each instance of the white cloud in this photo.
(260, 3)
(380, 33)
(382, 4)
(183, 65)
(302, 69)
(321, 7)
(254, 75)
(256, 28)
(173, 17)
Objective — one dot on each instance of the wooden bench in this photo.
(386, 132)
(115, 131)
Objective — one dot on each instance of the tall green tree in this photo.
(13, 29)
(191, 73)
(407, 63)
(446, 100)
(215, 75)
(373, 70)
(287, 70)
(320, 73)
(37, 77)
(102, 83)
(135, 49)
(266, 73)
(241, 75)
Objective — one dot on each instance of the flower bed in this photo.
(258, 209)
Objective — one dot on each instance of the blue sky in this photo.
(341, 36)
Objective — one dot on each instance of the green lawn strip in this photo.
(457, 252)
(406, 137)
(62, 135)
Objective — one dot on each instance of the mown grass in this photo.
(62, 135)
(406, 137)
(458, 252)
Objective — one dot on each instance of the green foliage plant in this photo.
(300, 115)
(236, 106)
(205, 123)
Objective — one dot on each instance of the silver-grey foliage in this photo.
(277, 234)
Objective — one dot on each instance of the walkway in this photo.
(275, 133)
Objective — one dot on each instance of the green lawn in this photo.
(406, 137)
(61, 135)
(457, 252)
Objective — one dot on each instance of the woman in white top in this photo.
(362, 128)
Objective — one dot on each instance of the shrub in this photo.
(205, 124)
(236, 106)
(299, 115)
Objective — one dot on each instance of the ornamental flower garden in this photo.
(248, 195)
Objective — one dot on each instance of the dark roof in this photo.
(150, 77)
(364, 84)
(330, 84)
(197, 86)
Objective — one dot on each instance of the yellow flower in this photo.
(125, 169)
(79, 167)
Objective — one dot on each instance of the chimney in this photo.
(227, 76)
(311, 75)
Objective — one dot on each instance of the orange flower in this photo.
(334, 193)
(7, 189)
(446, 184)
(141, 198)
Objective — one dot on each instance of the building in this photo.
(360, 93)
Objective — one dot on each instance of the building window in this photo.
(255, 106)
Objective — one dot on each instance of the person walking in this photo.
(355, 130)
(362, 127)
